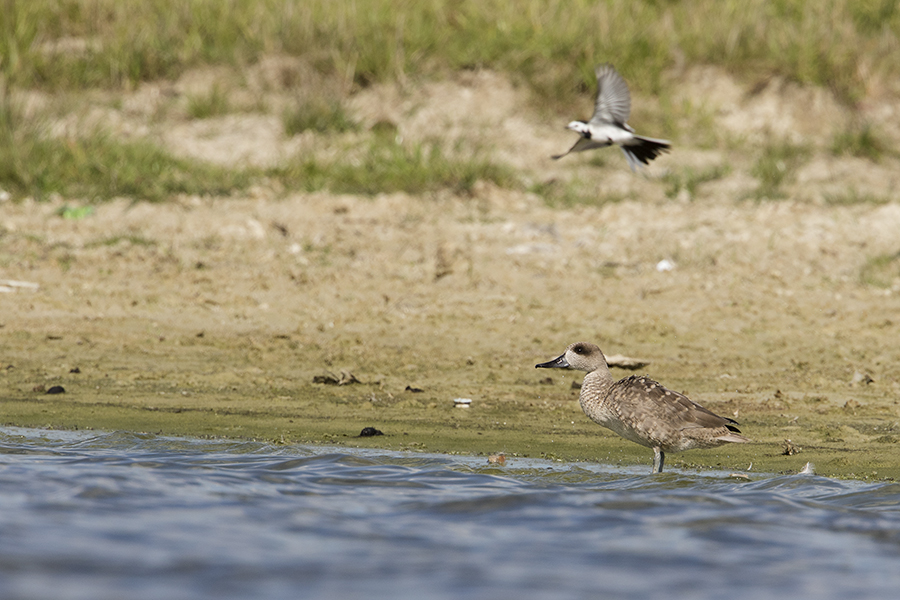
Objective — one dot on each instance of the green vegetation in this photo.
(211, 104)
(853, 196)
(566, 194)
(775, 166)
(688, 120)
(551, 45)
(97, 166)
(861, 141)
(689, 179)
(319, 115)
(547, 46)
(881, 271)
(75, 212)
(387, 166)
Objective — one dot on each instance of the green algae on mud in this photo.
(559, 433)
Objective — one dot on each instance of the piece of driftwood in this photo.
(626, 362)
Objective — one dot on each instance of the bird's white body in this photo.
(610, 134)
(608, 125)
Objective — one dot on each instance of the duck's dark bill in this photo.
(556, 363)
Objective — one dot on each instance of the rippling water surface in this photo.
(132, 516)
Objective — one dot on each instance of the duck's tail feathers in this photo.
(733, 437)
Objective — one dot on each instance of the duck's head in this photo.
(581, 356)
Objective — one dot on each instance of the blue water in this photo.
(135, 516)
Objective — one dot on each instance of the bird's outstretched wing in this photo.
(581, 145)
(613, 103)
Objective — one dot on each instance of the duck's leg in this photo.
(659, 458)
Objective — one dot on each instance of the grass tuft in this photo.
(881, 271)
(689, 179)
(211, 104)
(318, 115)
(75, 213)
(860, 141)
(566, 194)
(387, 166)
(852, 197)
(98, 166)
(775, 166)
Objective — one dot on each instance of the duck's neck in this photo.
(595, 387)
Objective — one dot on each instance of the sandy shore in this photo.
(215, 318)
(223, 317)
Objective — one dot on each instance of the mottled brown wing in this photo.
(640, 396)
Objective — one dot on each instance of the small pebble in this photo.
(462, 402)
(861, 378)
(57, 389)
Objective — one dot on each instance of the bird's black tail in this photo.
(641, 150)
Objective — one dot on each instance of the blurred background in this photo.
(102, 99)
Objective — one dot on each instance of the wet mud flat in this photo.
(308, 318)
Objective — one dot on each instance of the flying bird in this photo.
(642, 410)
(608, 125)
